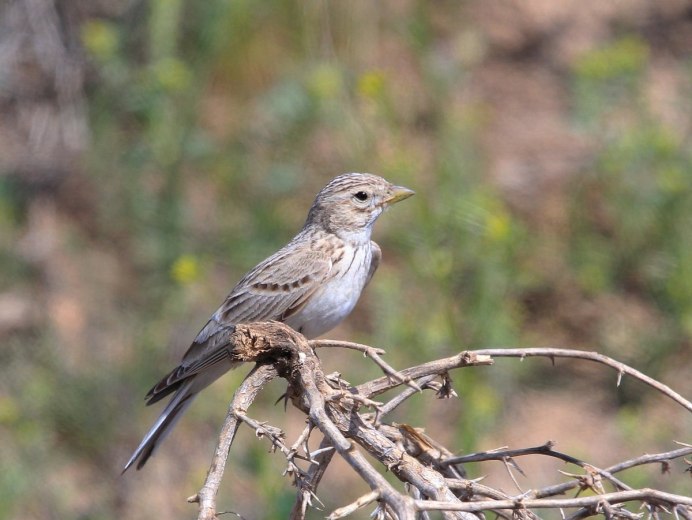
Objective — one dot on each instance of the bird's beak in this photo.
(398, 193)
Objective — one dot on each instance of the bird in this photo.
(311, 284)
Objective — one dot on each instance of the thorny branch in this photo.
(622, 369)
(434, 478)
(645, 495)
(242, 399)
(545, 449)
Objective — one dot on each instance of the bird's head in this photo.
(351, 203)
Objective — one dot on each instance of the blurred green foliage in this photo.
(632, 212)
(215, 123)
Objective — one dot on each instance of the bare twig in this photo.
(431, 474)
(499, 454)
(372, 353)
(650, 459)
(354, 506)
(318, 415)
(591, 356)
(357, 398)
(472, 488)
(308, 485)
(242, 399)
(545, 449)
(275, 435)
(438, 367)
(367, 350)
(405, 467)
(560, 489)
(405, 394)
(302, 440)
(647, 495)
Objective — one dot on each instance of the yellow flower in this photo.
(100, 39)
(186, 269)
(172, 74)
(371, 84)
(325, 81)
(497, 226)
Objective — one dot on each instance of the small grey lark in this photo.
(311, 284)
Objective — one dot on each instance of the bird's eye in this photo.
(361, 196)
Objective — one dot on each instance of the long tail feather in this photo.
(163, 425)
(186, 392)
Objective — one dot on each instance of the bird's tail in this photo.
(207, 359)
(186, 390)
(164, 424)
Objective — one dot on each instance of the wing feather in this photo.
(274, 290)
(374, 262)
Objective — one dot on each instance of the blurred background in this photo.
(153, 151)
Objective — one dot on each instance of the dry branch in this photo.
(435, 480)
(553, 353)
(648, 495)
(242, 399)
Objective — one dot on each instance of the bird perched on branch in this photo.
(311, 284)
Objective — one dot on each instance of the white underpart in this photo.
(335, 300)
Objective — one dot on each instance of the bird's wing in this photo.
(374, 262)
(274, 290)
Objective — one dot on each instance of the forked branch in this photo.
(434, 478)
